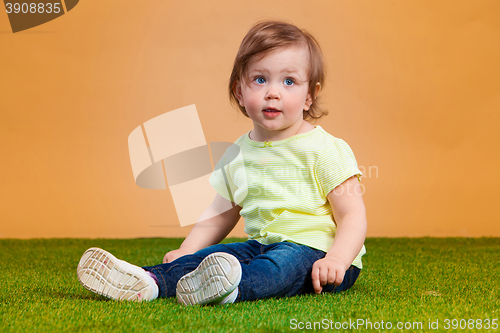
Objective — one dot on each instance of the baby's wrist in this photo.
(187, 249)
(332, 257)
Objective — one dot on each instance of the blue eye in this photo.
(289, 82)
(260, 80)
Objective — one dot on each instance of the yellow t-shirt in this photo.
(282, 186)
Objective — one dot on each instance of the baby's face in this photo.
(275, 91)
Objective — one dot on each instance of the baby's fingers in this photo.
(315, 280)
(324, 275)
(332, 276)
(339, 278)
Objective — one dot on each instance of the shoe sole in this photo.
(102, 273)
(211, 281)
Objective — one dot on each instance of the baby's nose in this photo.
(272, 93)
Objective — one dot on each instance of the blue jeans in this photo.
(276, 270)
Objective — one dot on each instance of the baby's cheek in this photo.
(252, 106)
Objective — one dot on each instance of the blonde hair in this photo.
(267, 36)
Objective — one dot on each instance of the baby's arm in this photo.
(350, 216)
(210, 231)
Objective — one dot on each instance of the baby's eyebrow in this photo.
(292, 71)
(258, 70)
(296, 74)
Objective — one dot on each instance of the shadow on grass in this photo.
(68, 295)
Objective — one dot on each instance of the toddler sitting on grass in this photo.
(296, 187)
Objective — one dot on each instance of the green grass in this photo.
(404, 280)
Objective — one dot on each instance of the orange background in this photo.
(413, 86)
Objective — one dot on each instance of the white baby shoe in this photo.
(214, 281)
(102, 273)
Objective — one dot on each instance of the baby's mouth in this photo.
(271, 110)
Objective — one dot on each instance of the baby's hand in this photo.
(174, 254)
(328, 270)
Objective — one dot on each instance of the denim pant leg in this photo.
(284, 269)
(169, 274)
(280, 270)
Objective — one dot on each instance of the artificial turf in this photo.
(421, 283)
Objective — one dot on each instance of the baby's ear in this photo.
(316, 89)
(238, 94)
(308, 103)
(310, 99)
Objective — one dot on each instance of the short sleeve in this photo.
(229, 177)
(334, 165)
(222, 183)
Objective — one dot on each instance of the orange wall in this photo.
(413, 86)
